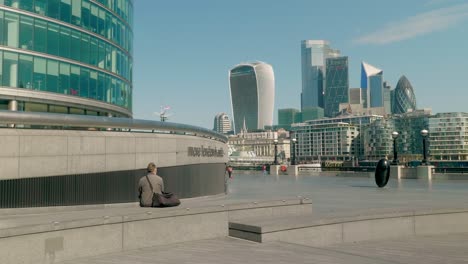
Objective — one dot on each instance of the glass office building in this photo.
(404, 100)
(372, 85)
(67, 56)
(336, 85)
(252, 89)
(313, 56)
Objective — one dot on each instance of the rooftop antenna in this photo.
(163, 114)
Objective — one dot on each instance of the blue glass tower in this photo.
(372, 85)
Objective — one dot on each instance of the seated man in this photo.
(146, 189)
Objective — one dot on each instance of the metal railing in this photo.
(45, 120)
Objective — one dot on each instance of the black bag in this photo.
(166, 199)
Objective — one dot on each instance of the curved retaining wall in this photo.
(64, 167)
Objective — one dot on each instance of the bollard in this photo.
(382, 173)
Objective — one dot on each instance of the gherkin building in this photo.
(404, 99)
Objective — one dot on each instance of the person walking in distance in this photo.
(144, 188)
(229, 171)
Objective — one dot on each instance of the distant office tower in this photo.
(252, 87)
(288, 116)
(311, 113)
(222, 124)
(387, 95)
(313, 56)
(355, 96)
(372, 85)
(336, 85)
(404, 99)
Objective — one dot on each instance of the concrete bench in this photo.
(331, 229)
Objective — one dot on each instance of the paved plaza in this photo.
(330, 195)
(430, 249)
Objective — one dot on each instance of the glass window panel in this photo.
(85, 13)
(65, 39)
(65, 10)
(53, 8)
(75, 45)
(93, 85)
(85, 48)
(1, 67)
(53, 39)
(58, 109)
(10, 69)
(94, 18)
(11, 29)
(40, 35)
(39, 74)
(108, 26)
(35, 107)
(26, 5)
(100, 87)
(26, 32)
(108, 57)
(102, 55)
(113, 90)
(94, 51)
(52, 76)
(2, 30)
(102, 22)
(84, 83)
(76, 12)
(108, 89)
(40, 7)
(76, 111)
(64, 78)
(25, 71)
(74, 80)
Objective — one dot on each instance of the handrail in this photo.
(84, 121)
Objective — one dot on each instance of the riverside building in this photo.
(70, 57)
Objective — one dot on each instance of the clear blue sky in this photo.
(185, 48)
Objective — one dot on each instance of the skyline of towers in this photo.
(252, 90)
(313, 59)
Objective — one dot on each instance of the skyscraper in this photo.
(222, 123)
(313, 56)
(336, 85)
(71, 57)
(387, 96)
(372, 85)
(252, 88)
(404, 99)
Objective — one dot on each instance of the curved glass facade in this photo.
(72, 47)
(404, 100)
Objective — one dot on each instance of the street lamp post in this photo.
(276, 151)
(424, 134)
(293, 161)
(395, 154)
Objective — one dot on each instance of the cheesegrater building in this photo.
(67, 56)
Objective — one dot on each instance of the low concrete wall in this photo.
(66, 167)
(60, 241)
(42, 153)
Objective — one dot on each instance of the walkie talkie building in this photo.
(66, 56)
(252, 87)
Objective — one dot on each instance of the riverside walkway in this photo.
(331, 197)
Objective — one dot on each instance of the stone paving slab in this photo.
(426, 249)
